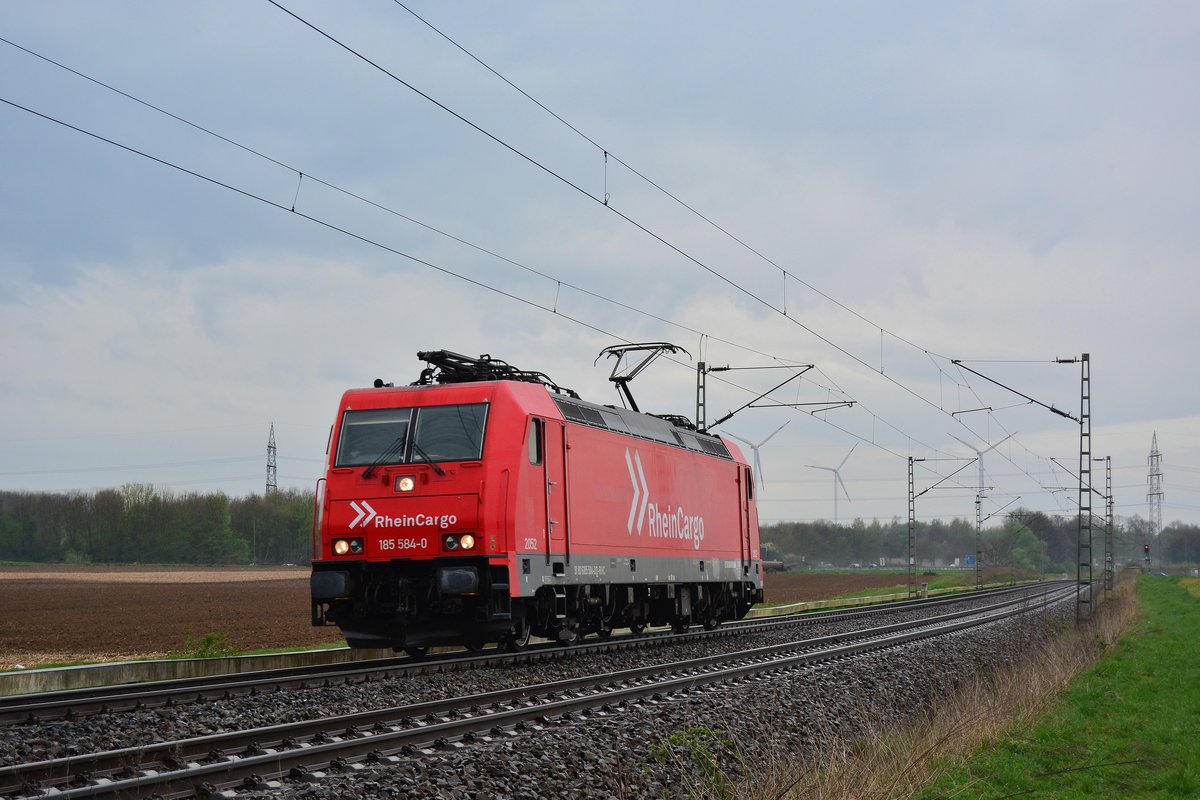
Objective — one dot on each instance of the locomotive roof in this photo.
(453, 368)
(642, 425)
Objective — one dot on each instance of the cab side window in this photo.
(535, 441)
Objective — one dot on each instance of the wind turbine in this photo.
(837, 480)
(979, 453)
(754, 447)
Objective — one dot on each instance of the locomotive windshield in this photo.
(406, 435)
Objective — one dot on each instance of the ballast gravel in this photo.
(657, 748)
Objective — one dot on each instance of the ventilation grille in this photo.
(643, 426)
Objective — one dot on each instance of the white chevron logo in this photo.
(640, 491)
(363, 511)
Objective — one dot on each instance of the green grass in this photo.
(691, 753)
(1129, 727)
(215, 644)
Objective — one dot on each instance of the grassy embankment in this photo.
(1129, 727)
(1109, 710)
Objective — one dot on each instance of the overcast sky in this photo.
(897, 186)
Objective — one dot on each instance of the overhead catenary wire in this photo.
(301, 175)
(603, 201)
(600, 200)
(387, 209)
(649, 181)
(559, 282)
(607, 153)
(366, 240)
(326, 224)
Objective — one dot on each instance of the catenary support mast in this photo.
(1083, 608)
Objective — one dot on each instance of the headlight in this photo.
(406, 483)
(342, 547)
(455, 541)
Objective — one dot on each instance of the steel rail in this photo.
(200, 756)
(72, 703)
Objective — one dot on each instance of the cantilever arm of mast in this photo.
(1001, 508)
(958, 363)
(1067, 470)
(803, 369)
(830, 405)
(948, 477)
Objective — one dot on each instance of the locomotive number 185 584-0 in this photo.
(403, 544)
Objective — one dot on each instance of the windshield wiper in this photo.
(421, 452)
(393, 448)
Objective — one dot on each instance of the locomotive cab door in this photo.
(746, 492)
(554, 470)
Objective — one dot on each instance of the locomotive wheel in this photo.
(680, 626)
(604, 633)
(711, 624)
(637, 628)
(474, 644)
(519, 637)
(417, 652)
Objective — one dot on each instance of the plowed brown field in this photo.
(63, 614)
(56, 614)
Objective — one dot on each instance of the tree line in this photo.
(1028, 540)
(141, 524)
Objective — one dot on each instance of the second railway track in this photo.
(307, 750)
(78, 703)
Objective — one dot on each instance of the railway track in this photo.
(259, 759)
(77, 703)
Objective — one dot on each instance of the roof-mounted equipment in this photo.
(447, 367)
(652, 350)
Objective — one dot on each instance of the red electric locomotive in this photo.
(484, 504)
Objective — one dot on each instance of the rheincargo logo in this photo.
(666, 524)
(366, 515)
(676, 524)
(640, 491)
